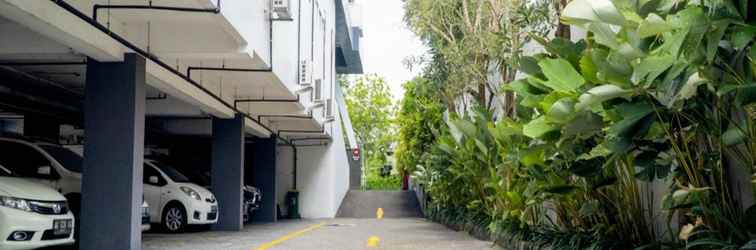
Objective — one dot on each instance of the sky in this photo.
(387, 42)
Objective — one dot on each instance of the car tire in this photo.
(174, 218)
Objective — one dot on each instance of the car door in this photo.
(29, 163)
(153, 191)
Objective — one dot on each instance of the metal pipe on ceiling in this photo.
(236, 102)
(292, 131)
(17, 64)
(63, 4)
(150, 6)
(286, 116)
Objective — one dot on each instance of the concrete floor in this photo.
(334, 234)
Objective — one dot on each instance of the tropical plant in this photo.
(475, 37)
(660, 91)
(420, 115)
(372, 111)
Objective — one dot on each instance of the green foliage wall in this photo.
(660, 91)
(419, 120)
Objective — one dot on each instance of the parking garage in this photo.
(229, 93)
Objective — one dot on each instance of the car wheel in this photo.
(174, 218)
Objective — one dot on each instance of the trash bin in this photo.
(292, 203)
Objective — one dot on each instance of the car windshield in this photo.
(171, 172)
(70, 160)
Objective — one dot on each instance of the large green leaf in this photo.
(579, 12)
(529, 65)
(601, 94)
(584, 125)
(653, 25)
(649, 169)
(746, 94)
(714, 36)
(742, 36)
(538, 127)
(561, 111)
(631, 114)
(733, 136)
(649, 68)
(532, 157)
(566, 49)
(604, 34)
(562, 76)
(587, 68)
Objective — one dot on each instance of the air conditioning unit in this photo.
(329, 108)
(281, 8)
(317, 91)
(305, 72)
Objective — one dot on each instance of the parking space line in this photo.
(289, 236)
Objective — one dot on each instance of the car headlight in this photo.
(191, 193)
(16, 203)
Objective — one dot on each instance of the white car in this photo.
(45, 163)
(174, 201)
(32, 215)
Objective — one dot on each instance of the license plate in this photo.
(62, 227)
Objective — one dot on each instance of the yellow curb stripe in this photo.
(289, 236)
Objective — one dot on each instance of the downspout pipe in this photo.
(152, 58)
(295, 159)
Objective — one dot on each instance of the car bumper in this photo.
(17, 220)
(202, 213)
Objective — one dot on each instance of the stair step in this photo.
(364, 204)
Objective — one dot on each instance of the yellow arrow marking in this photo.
(289, 236)
(379, 213)
(373, 241)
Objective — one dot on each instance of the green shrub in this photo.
(375, 182)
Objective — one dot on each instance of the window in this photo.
(171, 172)
(151, 171)
(70, 160)
(23, 160)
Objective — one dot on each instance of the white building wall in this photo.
(315, 179)
(322, 175)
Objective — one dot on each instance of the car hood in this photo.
(20, 188)
(203, 192)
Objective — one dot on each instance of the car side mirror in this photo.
(44, 170)
(153, 180)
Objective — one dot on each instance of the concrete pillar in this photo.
(228, 171)
(114, 152)
(264, 178)
(41, 127)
